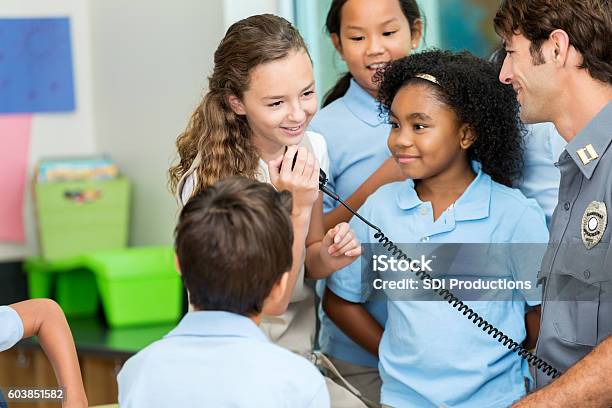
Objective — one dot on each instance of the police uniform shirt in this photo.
(577, 269)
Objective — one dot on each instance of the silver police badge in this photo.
(594, 222)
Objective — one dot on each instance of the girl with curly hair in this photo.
(455, 135)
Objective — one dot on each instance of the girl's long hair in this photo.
(220, 136)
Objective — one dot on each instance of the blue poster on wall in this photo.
(35, 65)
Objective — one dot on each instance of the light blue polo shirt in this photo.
(11, 331)
(431, 355)
(219, 359)
(543, 146)
(356, 137)
(11, 328)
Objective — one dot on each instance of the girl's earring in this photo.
(414, 46)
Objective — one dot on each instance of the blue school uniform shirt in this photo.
(431, 355)
(11, 331)
(356, 136)
(11, 328)
(219, 359)
(540, 181)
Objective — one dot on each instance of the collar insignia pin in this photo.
(587, 154)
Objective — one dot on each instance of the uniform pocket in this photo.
(575, 287)
(576, 322)
(586, 265)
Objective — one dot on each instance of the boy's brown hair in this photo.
(233, 243)
(588, 23)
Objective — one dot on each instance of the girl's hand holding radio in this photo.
(297, 171)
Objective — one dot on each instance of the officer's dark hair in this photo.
(233, 242)
(411, 11)
(470, 87)
(588, 24)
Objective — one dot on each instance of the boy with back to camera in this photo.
(233, 246)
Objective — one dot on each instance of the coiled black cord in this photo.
(445, 294)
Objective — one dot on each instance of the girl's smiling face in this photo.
(279, 102)
(373, 33)
(427, 139)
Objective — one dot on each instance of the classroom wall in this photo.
(234, 10)
(61, 133)
(140, 68)
(150, 63)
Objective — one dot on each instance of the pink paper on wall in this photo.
(14, 145)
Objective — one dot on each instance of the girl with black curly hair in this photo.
(456, 136)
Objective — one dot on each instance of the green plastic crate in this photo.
(138, 286)
(70, 226)
(69, 282)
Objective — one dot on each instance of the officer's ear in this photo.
(558, 47)
(467, 136)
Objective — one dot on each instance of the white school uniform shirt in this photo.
(219, 359)
(295, 329)
(11, 328)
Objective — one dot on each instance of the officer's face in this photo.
(532, 79)
(427, 140)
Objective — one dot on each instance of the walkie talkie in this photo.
(322, 182)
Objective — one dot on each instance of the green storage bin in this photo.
(82, 216)
(137, 286)
(69, 282)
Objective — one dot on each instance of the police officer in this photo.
(560, 64)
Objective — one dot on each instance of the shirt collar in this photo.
(210, 323)
(473, 204)
(598, 135)
(363, 105)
